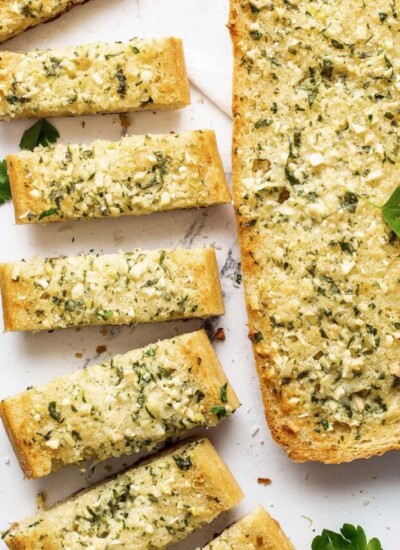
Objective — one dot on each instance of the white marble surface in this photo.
(305, 498)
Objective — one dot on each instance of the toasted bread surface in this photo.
(137, 175)
(16, 18)
(255, 531)
(131, 402)
(115, 289)
(315, 148)
(149, 506)
(94, 78)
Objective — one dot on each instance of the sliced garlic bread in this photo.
(123, 405)
(255, 531)
(115, 289)
(149, 506)
(17, 17)
(137, 175)
(94, 78)
(315, 143)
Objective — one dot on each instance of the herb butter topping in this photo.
(130, 402)
(140, 286)
(319, 141)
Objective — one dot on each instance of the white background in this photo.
(304, 498)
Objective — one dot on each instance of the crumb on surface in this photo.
(264, 481)
(220, 335)
(101, 349)
(78, 355)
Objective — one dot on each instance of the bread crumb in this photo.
(104, 331)
(78, 355)
(7, 461)
(264, 481)
(366, 501)
(101, 349)
(220, 335)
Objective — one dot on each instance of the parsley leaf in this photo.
(183, 462)
(223, 393)
(5, 190)
(391, 211)
(47, 213)
(219, 411)
(52, 408)
(41, 133)
(349, 538)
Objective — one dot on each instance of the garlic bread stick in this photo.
(114, 289)
(151, 505)
(131, 402)
(137, 175)
(93, 78)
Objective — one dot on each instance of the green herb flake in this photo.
(41, 133)
(199, 395)
(106, 315)
(183, 462)
(223, 393)
(219, 411)
(47, 213)
(256, 35)
(336, 44)
(56, 415)
(262, 123)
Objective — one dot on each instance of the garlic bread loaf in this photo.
(17, 17)
(137, 175)
(94, 78)
(159, 502)
(142, 286)
(131, 402)
(255, 531)
(316, 93)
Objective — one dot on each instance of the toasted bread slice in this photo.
(315, 110)
(131, 402)
(149, 506)
(94, 78)
(18, 17)
(137, 175)
(115, 289)
(255, 531)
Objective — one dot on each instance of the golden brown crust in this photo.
(257, 530)
(209, 371)
(168, 87)
(204, 183)
(7, 296)
(207, 484)
(7, 415)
